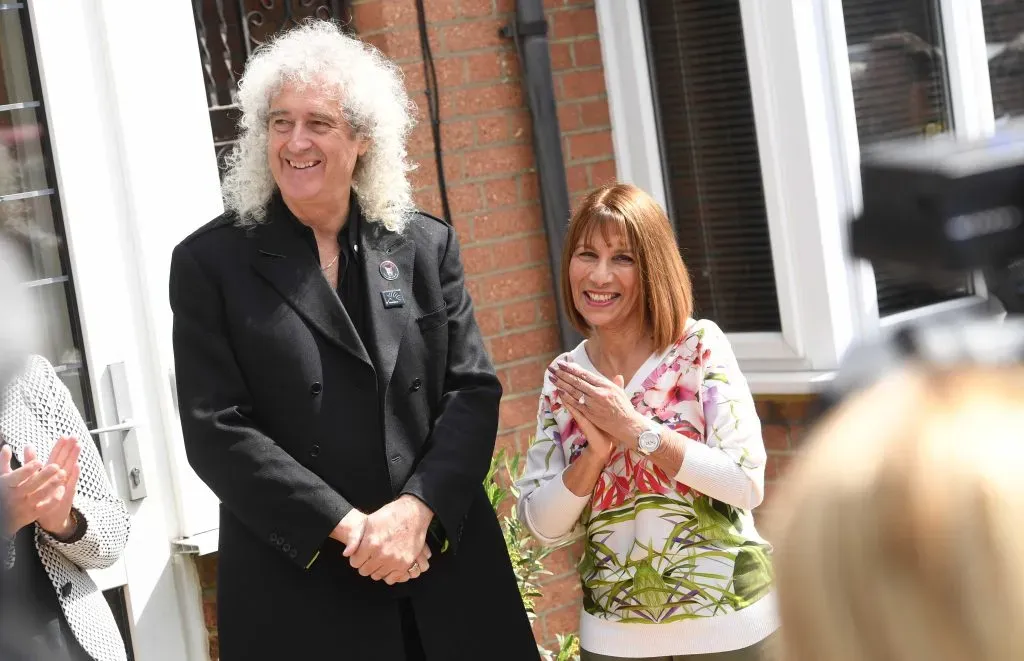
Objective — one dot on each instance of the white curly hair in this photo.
(370, 91)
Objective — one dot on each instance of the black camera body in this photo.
(936, 205)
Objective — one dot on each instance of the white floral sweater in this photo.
(681, 551)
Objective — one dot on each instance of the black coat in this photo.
(288, 421)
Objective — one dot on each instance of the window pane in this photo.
(900, 89)
(899, 77)
(710, 158)
(1004, 26)
(15, 79)
(29, 212)
(23, 168)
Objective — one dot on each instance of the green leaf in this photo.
(713, 525)
(752, 575)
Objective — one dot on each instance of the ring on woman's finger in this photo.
(414, 568)
(582, 400)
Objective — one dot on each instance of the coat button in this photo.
(416, 383)
(273, 538)
(314, 451)
(65, 590)
(286, 548)
(316, 388)
(293, 554)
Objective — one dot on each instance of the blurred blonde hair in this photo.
(900, 532)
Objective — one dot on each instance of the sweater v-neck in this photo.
(580, 357)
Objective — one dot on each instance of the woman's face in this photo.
(605, 281)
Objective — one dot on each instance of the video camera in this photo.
(937, 205)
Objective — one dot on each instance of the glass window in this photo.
(710, 158)
(1004, 34)
(29, 209)
(900, 89)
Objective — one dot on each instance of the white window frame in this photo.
(802, 96)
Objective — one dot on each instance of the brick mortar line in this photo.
(524, 361)
(501, 240)
(506, 334)
(540, 358)
(505, 271)
(467, 243)
(480, 277)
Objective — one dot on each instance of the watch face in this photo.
(649, 441)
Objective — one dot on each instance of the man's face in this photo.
(312, 150)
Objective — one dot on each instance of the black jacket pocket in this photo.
(432, 320)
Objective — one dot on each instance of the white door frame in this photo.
(130, 136)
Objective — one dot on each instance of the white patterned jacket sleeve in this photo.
(547, 507)
(730, 466)
(104, 514)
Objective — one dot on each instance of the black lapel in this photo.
(290, 268)
(378, 245)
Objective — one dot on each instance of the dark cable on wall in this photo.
(433, 107)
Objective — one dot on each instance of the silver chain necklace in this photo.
(333, 262)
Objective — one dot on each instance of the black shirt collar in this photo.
(348, 237)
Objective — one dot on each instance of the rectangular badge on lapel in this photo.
(392, 298)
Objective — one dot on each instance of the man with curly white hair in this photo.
(334, 388)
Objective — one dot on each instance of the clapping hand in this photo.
(38, 492)
(55, 517)
(598, 442)
(600, 401)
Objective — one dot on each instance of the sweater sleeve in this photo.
(729, 465)
(547, 507)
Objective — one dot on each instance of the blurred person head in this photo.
(323, 114)
(898, 533)
(621, 268)
(16, 320)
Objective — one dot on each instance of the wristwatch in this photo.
(649, 440)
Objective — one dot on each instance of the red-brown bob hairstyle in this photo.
(665, 291)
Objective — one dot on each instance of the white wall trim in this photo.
(199, 544)
(789, 383)
(799, 151)
(966, 55)
(631, 104)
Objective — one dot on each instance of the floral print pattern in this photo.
(659, 550)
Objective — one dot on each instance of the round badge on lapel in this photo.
(388, 270)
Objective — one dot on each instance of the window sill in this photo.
(201, 544)
(788, 383)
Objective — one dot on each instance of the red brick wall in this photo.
(784, 420)
(492, 184)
